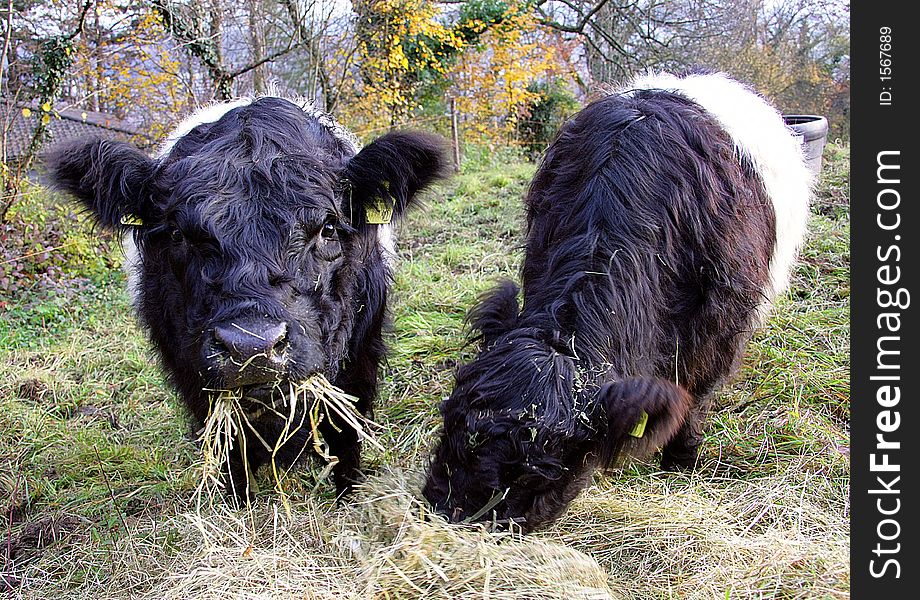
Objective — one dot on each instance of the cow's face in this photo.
(248, 267)
(252, 238)
(524, 427)
(513, 447)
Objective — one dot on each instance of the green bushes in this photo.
(546, 115)
(48, 245)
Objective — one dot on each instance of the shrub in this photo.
(545, 116)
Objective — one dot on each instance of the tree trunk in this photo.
(257, 41)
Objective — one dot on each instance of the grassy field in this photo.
(98, 465)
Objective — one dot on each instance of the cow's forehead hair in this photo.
(211, 113)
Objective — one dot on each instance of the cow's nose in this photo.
(248, 352)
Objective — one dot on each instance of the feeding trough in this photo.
(811, 131)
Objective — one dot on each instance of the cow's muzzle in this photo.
(246, 352)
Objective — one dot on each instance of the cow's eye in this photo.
(328, 231)
(175, 235)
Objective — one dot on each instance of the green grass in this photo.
(97, 455)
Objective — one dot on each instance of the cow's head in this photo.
(254, 236)
(524, 429)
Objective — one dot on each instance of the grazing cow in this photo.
(661, 223)
(256, 256)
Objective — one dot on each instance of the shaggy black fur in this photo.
(647, 256)
(258, 267)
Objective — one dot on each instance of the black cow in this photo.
(255, 262)
(661, 223)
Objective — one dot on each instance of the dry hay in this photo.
(383, 545)
(652, 536)
(696, 537)
(257, 553)
(410, 554)
(304, 404)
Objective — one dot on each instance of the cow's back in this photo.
(652, 232)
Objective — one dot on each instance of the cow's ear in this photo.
(638, 415)
(385, 176)
(110, 178)
(496, 312)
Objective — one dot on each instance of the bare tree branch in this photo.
(81, 20)
(188, 29)
(266, 59)
(579, 27)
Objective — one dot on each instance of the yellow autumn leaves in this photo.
(45, 113)
(411, 41)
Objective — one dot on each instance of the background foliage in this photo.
(383, 63)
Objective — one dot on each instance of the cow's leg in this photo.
(711, 359)
(237, 471)
(346, 447)
(681, 452)
(359, 379)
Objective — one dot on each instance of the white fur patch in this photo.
(761, 135)
(386, 239)
(132, 266)
(212, 113)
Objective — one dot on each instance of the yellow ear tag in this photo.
(379, 212)
(639, 430)
(131, 221)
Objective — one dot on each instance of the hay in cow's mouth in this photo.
(233, 416)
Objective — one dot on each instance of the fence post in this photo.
(455, 134)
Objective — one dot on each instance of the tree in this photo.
(130, 68)
(321, 72)
(794, 51)
(495, 80)
(484, 53)
(622, 37)
(401, 45)
(204, 27)
(41, 78)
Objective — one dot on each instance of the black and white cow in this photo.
(662, 222)
(252, 261)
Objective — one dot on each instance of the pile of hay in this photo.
(652, 536)
(412, 554)
(382, 545)
(695, 537)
